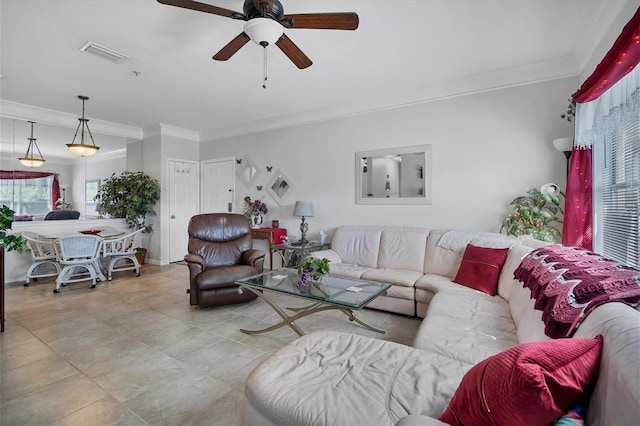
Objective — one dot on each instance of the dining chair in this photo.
(121, 252)
(79, 254)
(44, 257)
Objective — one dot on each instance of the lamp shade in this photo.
(303, 209)
(563, 144)
(263, 31)
(29, 159)
(550, 188)
(83, 149)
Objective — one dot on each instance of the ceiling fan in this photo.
(265, 23)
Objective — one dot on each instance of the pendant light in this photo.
(82, 149)
(29, 160)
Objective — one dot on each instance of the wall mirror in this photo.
(394, 176)
(247, 171)
(279, 187)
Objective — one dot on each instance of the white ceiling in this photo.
(403, 52)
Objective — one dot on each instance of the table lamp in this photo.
(303, 209)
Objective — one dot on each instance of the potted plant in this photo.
(534, 214)
(313, 268)
(132, 196)
(10, 243)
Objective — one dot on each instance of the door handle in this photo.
(173, 216)
(229, 207)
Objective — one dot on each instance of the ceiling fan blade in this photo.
(293, 52)
(232, 47)
(322, 21)
(203, 7)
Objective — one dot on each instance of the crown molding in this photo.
(553, 69)
(162, 129)
(25, 112)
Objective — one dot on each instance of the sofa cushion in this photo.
(347, 270)
(438, 260)
(403, 248)
(616, 395)
(506, 281)
(341, 378)
(357, 245)
(401, 277)
(530, 384)
(466, 325)
(480, 268)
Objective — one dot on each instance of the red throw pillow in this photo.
(480, 268)
(529, 384)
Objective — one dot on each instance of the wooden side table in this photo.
(272, 235)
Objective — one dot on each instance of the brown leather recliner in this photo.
(219, 253)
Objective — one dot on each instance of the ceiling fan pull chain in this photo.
(264, 84)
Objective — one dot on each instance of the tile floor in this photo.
(133, 352)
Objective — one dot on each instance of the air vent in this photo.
(104, 52)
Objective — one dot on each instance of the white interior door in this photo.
(183, 203)
(218, 186)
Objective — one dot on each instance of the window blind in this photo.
(617, 184)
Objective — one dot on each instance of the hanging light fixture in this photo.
(29, 160)
(82, 149)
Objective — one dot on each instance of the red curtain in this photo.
(623, 57)
(55, 192)
(22, 174)
(577, 229)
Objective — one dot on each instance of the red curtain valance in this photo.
(22, 174)
(623, 57)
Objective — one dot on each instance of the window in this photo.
(617, 185)
(27, 196)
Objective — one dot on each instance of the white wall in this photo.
(488, 148)
(157, 149)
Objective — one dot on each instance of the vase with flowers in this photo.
(253, 211)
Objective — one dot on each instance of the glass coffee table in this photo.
(332, 293)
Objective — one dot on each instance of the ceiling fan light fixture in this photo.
(29, 160)
(263, 31)
(81, 149)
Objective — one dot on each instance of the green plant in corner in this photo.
(8, 241)
(131, 196)
(534, 215)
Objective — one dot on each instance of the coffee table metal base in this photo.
(300, 313)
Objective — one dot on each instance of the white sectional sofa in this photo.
(406, 258)
(345, 379)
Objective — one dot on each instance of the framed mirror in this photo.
(247, 171)
(394, 176)
(279, 187)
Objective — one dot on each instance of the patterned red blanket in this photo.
(570, 282)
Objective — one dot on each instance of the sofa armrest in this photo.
(196, 265)
(329, 254)
(418, 420)
(254, 258)
(196, 259)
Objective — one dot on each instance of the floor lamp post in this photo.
(565, 146)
